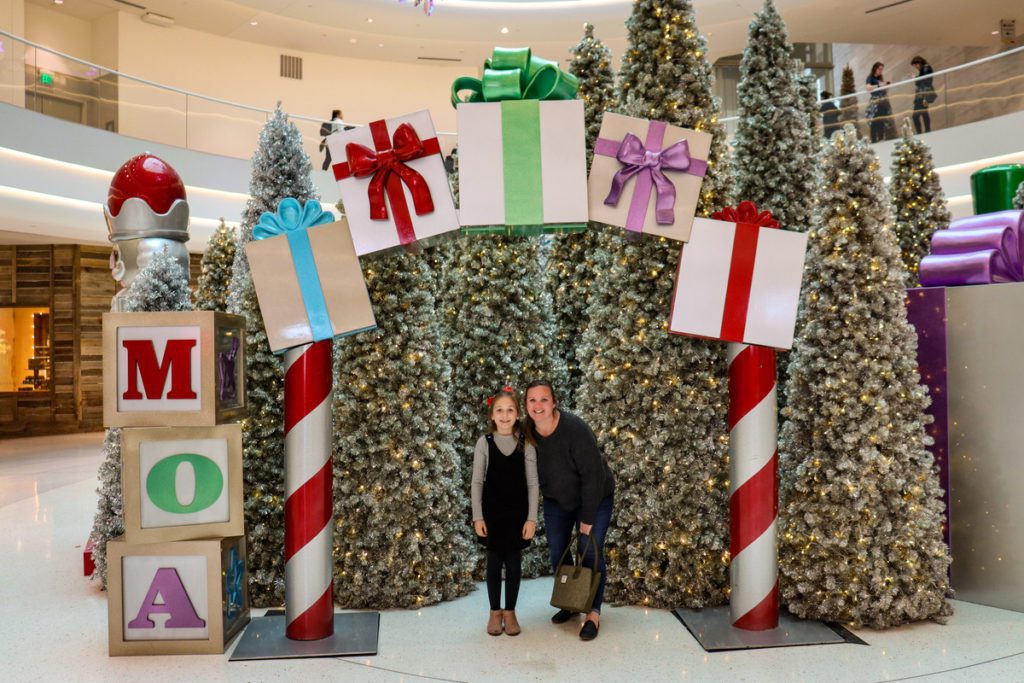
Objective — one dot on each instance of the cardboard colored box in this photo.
(173, 369)
(739, 282)
(185, 597)
(339, 283)
(155, 510)
(636, 208)
(522, 166)
(404, 225)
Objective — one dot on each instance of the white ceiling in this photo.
(465, 30)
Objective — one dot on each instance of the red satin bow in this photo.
(406, 146)
(746, 212)
(507, 390)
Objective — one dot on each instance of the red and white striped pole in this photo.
(754, 488)
(308, 509)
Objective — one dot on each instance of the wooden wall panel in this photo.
(6, 274)
(65, 413)
(95, 288)
(33, 266)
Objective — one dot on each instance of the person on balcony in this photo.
(326, 129)
(879, 109)
(924, 94)
(829, 114)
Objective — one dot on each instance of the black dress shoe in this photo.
(561, 616)
(589, 630)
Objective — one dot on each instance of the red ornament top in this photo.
(149, 178)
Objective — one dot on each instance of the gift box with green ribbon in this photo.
(522, 147)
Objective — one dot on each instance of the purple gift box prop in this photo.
(977, 250)
(926, 311)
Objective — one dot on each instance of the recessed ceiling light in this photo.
(995, 33)
(504, 29)
(369, 20)
(253, 22)
(58, 2)
(380, 44)
(351, 40)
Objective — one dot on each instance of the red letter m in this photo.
(142, 361)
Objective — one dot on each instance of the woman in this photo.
(924, 94)
(879, 109)
(577, 486)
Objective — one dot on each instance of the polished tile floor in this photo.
(56, 624)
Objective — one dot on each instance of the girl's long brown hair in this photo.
(531, 429)
(509, 392)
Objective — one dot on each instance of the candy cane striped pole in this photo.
(754, 488)
(308, 474)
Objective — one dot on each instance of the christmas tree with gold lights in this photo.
(861, 511)
(919, 205)
(402, 537)
(280, 168)
(775, 142)
(215, 276)
(576, 258)
(658, 402)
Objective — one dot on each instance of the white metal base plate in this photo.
(355, 633)
(713, 629)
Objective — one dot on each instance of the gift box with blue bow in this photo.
(646, 176)
(307, 276)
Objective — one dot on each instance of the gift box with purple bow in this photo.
(646, 176)
(957, 277)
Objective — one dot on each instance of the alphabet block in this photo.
(187, 597)
(175, 369)
(182, 483)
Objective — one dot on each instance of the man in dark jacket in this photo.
(829, 114)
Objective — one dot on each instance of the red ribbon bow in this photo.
(747, 213)
(386, 167)
(507, 390)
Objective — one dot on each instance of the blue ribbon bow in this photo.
(293, 220)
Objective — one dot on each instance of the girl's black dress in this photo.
(505, 499)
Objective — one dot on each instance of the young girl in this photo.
(505, 494)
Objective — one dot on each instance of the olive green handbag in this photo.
(575, 585)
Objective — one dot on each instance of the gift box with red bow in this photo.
(646, 176)
(393, 183)
(739, 279)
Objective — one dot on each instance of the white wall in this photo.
(247, 73)
(12, 66)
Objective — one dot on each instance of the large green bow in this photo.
(513, 73)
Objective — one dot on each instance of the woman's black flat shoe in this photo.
(561, 616)
(589, 630)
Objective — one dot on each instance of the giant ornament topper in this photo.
(146, 199)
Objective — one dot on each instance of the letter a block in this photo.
(188, 597)
(176, 369)
(182, 483)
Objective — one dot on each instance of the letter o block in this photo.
(188, 597)
(175, 369)
(182, 483)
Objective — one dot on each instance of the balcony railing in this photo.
(60, 85)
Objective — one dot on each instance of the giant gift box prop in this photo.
(393, 183)
(646, 176)
(186, 597)
(739, 280)
(175, 369)
(979, 250)
(307, 276)
(522, 147)
(164, 503)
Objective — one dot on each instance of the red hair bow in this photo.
(507, 390)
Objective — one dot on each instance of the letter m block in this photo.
(162, 369)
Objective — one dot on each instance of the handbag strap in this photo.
(579, 556)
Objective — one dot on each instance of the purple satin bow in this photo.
(977, 250)
(635, 158)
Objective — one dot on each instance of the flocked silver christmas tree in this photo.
(861, 512)
(161, 285)
(918, 203)
(576, 258)
(499, 330)
(657, 402)
(775, 139)
(280, 168)
(215, 275)
(402, 537)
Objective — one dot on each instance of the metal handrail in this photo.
(315, 119)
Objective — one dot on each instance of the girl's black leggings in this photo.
(512, 562)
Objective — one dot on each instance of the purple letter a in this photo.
(167, 584)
